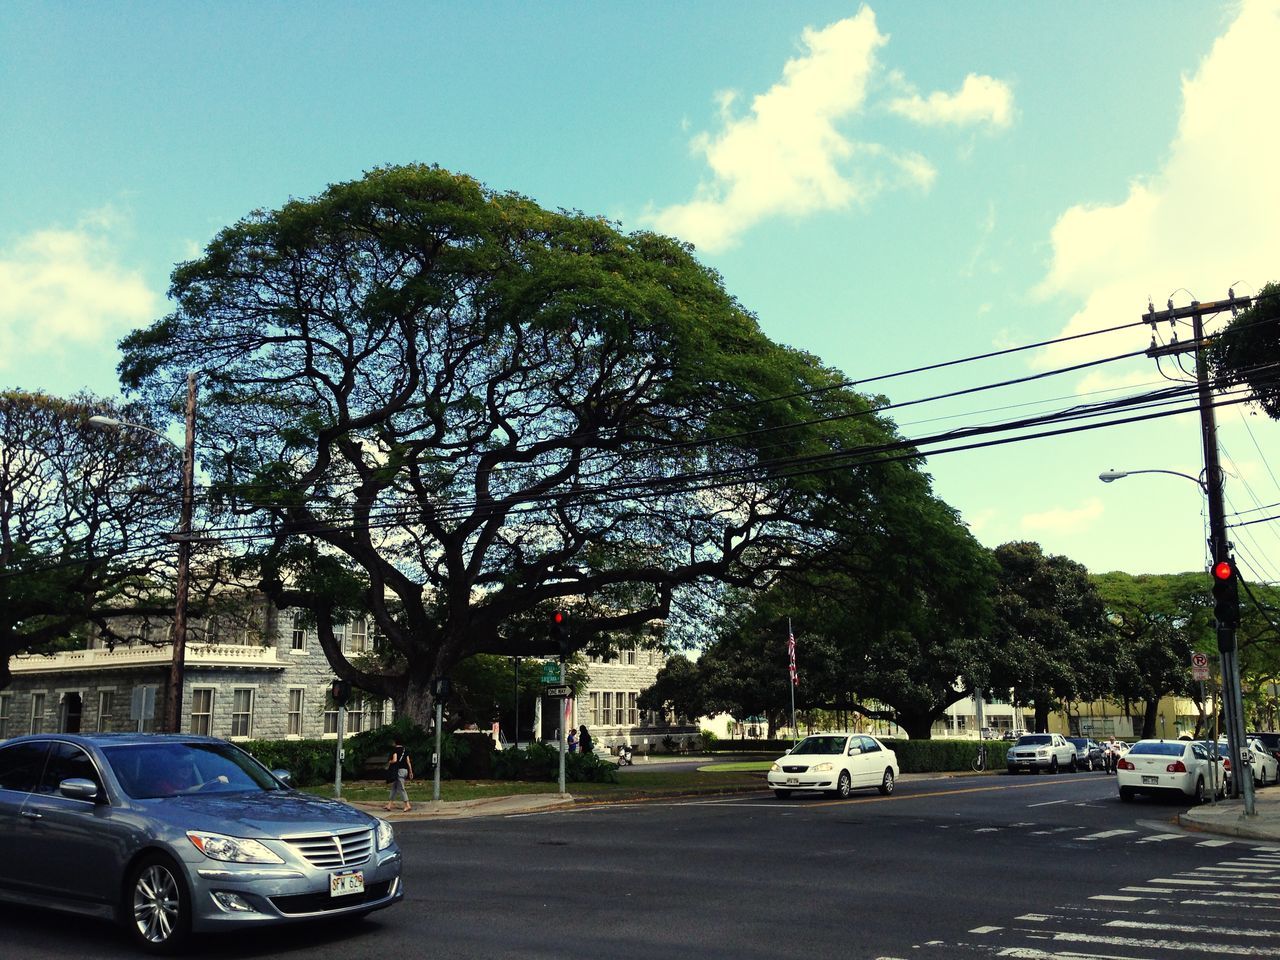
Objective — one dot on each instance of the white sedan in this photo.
(836, 763)
(1266, 768)
(1164, 766)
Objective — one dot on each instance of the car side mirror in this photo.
(79, 788)
(284, 776)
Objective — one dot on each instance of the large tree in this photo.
(1050, 630)
(83, 518)
(1156, 620)
(1247, 351)
(456, 410)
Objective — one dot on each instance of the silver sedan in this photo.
(172, 834)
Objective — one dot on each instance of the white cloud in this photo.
(1063, 520)
(981, 99)
(1202, 221)
(787, 154)
(63, 290)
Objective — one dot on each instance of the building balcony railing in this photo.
(123, 658)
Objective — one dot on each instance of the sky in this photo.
(886, 186)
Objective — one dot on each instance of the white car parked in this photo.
(1266, 768)
(835, 763)
(1041, 751)
(1164, 766)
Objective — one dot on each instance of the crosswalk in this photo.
(1076, 834)
(1226, 909)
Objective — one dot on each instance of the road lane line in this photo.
(1148, 890)
(1161, 837)
(1113, 896)
(1188, 928)
(1233, 906)
(1188, 881)
(1106, 834)
(985, 929)
(1047, 803)
(1253, 950)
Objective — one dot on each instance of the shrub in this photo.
(941, 756)
(539, 761)
(709, 739)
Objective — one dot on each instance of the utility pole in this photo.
(177, 666)
(1219, 547)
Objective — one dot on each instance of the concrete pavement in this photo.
(1227, 817)
(457, 809)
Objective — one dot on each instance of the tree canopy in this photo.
(83, 513)
(1247, 351)
(456, 410)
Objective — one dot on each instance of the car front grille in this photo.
(319, 902)
(329, 850)
(794, 769)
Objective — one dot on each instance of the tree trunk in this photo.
(1042, 716)
(416, 702)
(1149, 719)
(919, 726)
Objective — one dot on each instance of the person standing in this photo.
(571, 741)
(399, 773)
(585, 744)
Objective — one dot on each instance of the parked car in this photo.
(1089, 753)
(1041, 751)
(1270, 742)
(1266, 767)
(1163, 767)
(173, 834)
(835, 763)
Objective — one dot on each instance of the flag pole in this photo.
(793, 677)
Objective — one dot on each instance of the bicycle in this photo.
(980, 761)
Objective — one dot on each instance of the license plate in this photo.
(1151, 780)
(345, 884)
(793, 781)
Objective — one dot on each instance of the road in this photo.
(989, 866)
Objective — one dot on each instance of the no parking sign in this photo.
(1199, 666)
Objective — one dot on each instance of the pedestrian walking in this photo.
(399, 773)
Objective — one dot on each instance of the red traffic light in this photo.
(1222, 570)
(557, 617)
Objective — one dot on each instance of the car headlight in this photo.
(1042, 753)
(774, 768)
(385, 835)
(215, 846)
(823, 767)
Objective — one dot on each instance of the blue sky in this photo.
(884, 185)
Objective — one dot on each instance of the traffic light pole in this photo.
(1219, 548)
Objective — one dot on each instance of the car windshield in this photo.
(1038, 739)
(149, 771)
(1157, 749)
(1079, 741)
(827, 746)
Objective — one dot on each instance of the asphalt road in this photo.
(1033, 867)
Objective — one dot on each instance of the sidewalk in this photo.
(1227, 817)
(455, 810)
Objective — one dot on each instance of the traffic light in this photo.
(559, 631)
(340, 691)
(1226, 598)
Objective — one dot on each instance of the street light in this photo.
(1107, 476)
(177, 666)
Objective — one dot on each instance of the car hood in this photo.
(270, 813)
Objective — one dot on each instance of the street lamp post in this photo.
(177, 665)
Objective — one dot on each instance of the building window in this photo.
(298, 635)
(595, 709)
(330, 714)
(37, 713)
(377, 712)
(105, 702)
(242, 712)
(652, 658)
(340, 636)
(295, 711)
(202, 711)
(620, 708)
(629, 656)
(5, 700)
(358, 636)
(631, 709)
(355, 712)
(606, 708)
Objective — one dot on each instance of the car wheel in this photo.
(1262, 777)
(1088, 764)
(886, 784)
(1072, 768)
(782, 794)
(157, 909)
(1126, 794)
(1053, 764)
(844, 786)
(1200, 790)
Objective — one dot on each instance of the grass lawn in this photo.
(635, 784)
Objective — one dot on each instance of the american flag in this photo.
(791, 657)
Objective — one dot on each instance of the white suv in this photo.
(1041, 751)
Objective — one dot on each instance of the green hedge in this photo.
(944, 756)
(540, 761)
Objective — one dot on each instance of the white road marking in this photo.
(1148, 890)
(1158, 837)
(1105, 834)
(1031, 953)
(985, 929)
(1047, 803)
(1034, 917)
(1219, 903)
(987, 830)
(1245, 871)
(1236, 931)
(1214, 843)
(1254, 950)
(1112, 896)
(1187, 881)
